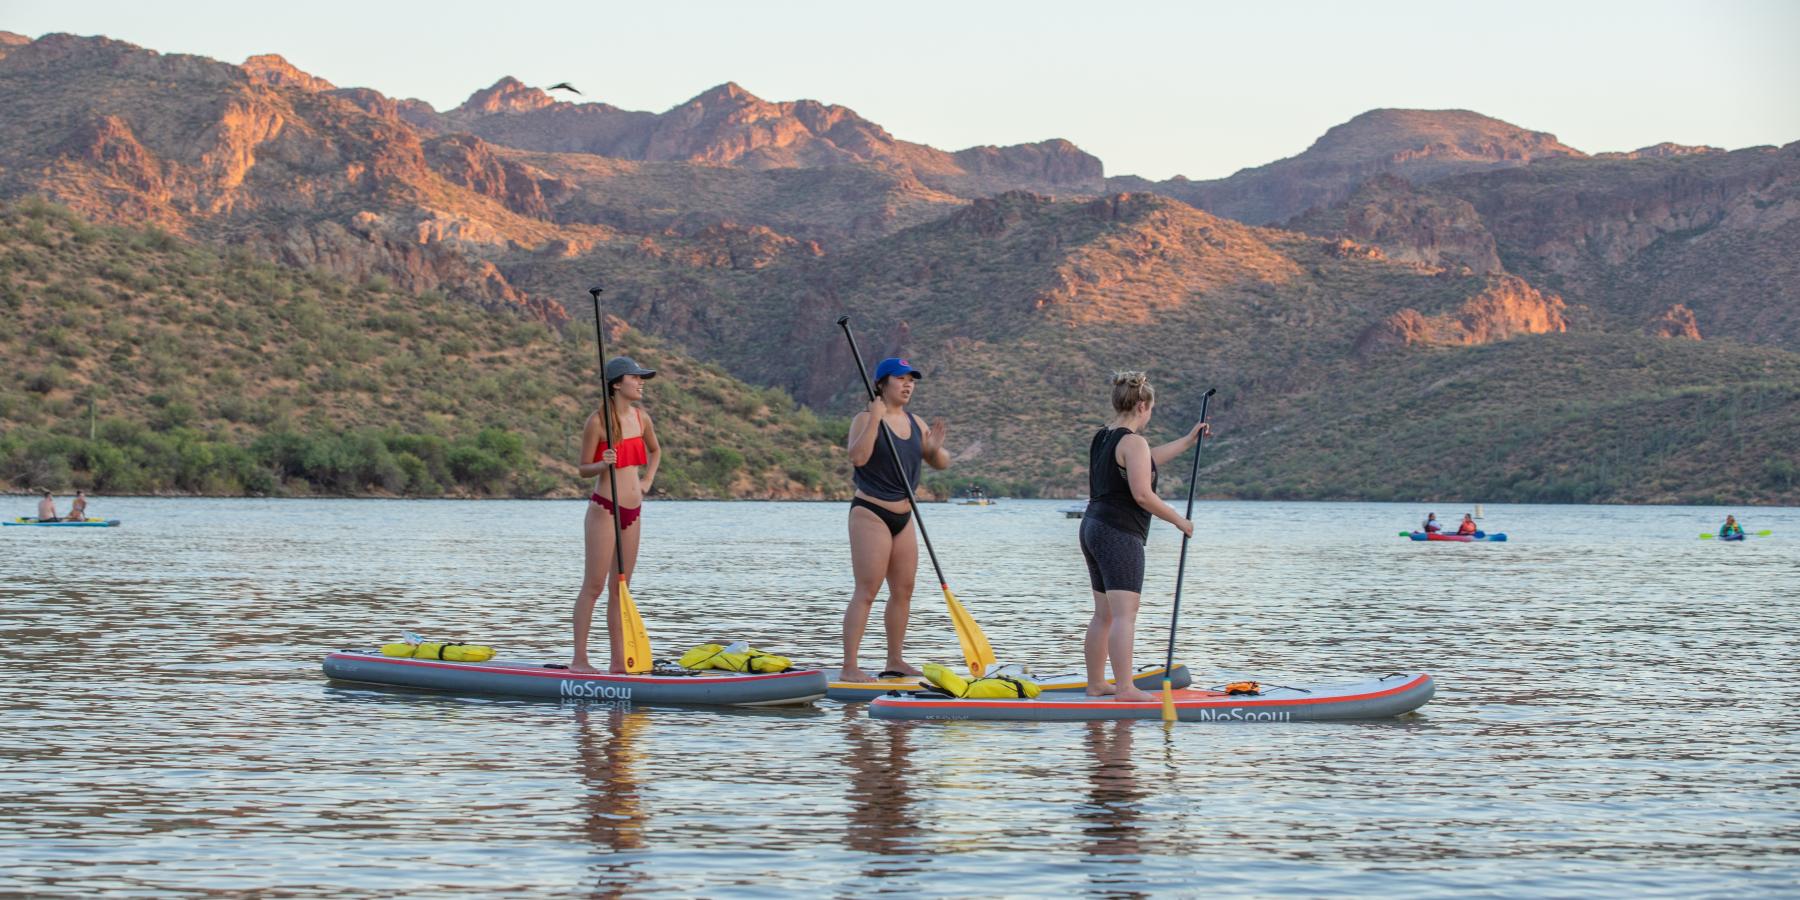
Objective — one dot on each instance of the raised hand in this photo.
(935, 440)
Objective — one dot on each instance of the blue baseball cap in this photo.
(894, 365)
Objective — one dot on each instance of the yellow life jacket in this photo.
(750, 659)
(439, 650)
(993, 686)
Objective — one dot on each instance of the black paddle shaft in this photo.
(1181, 568)
(888, 439)
(612, 471)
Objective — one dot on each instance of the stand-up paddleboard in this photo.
(1378, 698)
(1148, 679)
(65, 523)
(550, 681)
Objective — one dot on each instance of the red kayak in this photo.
(1441, 536)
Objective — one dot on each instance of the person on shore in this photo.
(884, 545)
(78, 507)
(634, 460)
(1467, 526)
(1731, 528)
(47, 508)
(1122, 469)
(1431, 524)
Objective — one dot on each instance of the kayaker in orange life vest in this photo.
(1467, 526)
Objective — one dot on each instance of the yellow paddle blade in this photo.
(637, 641)
(1168, 701)
(975, 647)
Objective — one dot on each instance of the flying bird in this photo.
(564, 86)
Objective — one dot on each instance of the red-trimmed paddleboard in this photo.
(527, 679)
(1377, 698)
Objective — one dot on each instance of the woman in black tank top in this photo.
(884, 546)
(1122, 498)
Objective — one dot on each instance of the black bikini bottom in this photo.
(895, 521)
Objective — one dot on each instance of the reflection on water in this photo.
(607, 758)
(1110, 818)
(1613, 714)
(878, 760)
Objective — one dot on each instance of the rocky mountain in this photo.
(1416, 144)
(1409, 225)
(256, 158)
(1627, 237)
(729, 126)
(1660, 151)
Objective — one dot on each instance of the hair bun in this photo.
(1130, 379)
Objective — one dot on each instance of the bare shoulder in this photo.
(1133, 446)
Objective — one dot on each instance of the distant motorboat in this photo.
(976, 497)
(1075, 511)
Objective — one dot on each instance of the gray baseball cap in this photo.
(620, 366)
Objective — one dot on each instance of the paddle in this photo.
(975, 647)
(1763, 533)
(1168, 695)
(636, 641)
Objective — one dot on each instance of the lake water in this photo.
(1615, 709)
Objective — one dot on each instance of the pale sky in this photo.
(1152, 88)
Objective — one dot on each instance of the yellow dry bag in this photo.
(749, 659)
(439, 650)
(993, 686)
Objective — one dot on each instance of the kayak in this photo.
(1732, 537)
(556, 682)
(84, 523)
(1497, 537)
(859, 691)
(1378, 698)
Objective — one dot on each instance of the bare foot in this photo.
(855, 675)
(581, 667)
(903, 667)
(1102, 689)
(617, 669)
(1132, 695)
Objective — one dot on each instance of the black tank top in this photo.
(878, 478)
(1109, 492)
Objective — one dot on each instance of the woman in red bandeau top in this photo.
(635, 458)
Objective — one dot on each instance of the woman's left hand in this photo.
(935, 440)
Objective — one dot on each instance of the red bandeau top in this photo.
(632, 451)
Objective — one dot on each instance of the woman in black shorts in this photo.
(1122, 498)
